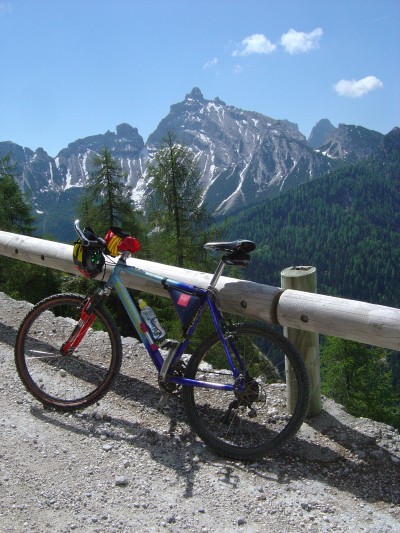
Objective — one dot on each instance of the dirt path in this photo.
(120, 466)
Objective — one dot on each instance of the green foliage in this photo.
(25, 281)
(346, 225)
(360, 378)
(107, 199)
(174, 207)
(18, 279)
(107, 202)
(55, 214)
(78, 284)
(178, 224)
(15, 210)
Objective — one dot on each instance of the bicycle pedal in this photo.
(163, 401)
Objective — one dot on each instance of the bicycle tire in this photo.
(66, 382)
(250, 424)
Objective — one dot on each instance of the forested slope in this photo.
(346, 224)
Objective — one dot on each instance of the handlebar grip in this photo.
(80, 232)
(98, 243)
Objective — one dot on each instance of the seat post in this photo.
(217, 274)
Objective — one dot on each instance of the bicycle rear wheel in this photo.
(254, 418)
(62, 381)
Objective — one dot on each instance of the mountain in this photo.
(346, 225)
(36, 171)
(320, 133)
(39, 172)
(54, 184)
(126, 146)
(245, 157)
(350, 143)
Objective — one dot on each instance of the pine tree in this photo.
(18, 279)
(174, 205)
(107, 199)
(107, 202)
(15, 210)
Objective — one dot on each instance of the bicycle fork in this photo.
(86, 320)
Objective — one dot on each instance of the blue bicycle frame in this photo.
(207, 300)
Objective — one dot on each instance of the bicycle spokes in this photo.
(253, 417)
(82, 370)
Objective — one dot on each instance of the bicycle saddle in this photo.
(240, 246)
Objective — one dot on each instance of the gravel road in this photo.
(120, 466)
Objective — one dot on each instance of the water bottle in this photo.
(157, 331)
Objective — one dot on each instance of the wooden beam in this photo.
(377, 325)
(234, 296)
(348, 319)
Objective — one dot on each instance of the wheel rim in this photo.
(66, 379)
(258, 415)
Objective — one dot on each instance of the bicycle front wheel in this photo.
(256, 417)
(66, 381)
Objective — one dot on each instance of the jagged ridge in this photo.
(244, 156)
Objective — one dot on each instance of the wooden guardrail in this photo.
(305, 311)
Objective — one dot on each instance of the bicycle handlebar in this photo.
(98, 243)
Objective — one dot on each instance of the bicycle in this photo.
(233, 386)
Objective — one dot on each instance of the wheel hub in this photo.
(246, 390)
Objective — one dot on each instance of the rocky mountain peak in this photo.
(243, 156)
(40, 153)
(126, 131)
(219, 101)
(195, 94)
(351, 143)
(320, 133)
(391, 141)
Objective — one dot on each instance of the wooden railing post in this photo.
(304, 278)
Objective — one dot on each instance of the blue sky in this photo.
(73, 68)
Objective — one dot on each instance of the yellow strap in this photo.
(78, 251)
(112, 244)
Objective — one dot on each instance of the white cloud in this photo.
(254, 44)
(237, 70)
(357, 88)
(297, 42)
(211, 63)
